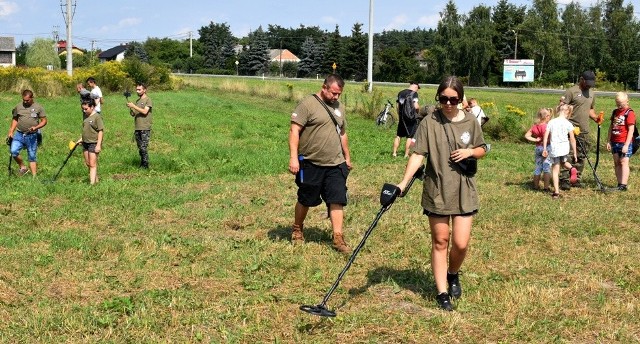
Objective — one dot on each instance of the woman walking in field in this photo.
(448, 137)
(92, 133)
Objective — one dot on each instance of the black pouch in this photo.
(468, 166)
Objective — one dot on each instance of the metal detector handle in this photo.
(418, 175)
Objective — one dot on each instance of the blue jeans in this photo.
(22, 140)
(616, 148)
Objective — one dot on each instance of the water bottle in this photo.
(301, 171)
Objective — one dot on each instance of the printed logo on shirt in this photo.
(337, 112)
(294, 115)
(465, 137)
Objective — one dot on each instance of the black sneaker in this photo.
(622, 187)
(454, 285)
(444, 301)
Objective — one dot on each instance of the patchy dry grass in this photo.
(197, 249)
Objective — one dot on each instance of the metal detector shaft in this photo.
(595, 166)
(65, 161)
(321, 309)
(354, 254)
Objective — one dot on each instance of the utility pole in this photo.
(190, 43)
(68, 11)
(56, 38)
(93, 42)
(281, 57)
(515, 52)
(370, 54)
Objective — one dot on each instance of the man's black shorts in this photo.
(406, 130)
(318, 183)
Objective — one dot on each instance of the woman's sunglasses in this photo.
(451, 100)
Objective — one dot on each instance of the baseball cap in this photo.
(589, 78)
(414, 83)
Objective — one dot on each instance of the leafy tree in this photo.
(575, 39)
(541, 31)
(218, 46)
(355, 58)
(478, 48)
(448, 42)
(42, 53)
(597, 46)
(621, 30)
(292, 39)
(397, 65)
(258, 53)
(166, 50)
(506, 18)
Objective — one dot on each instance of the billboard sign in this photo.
(518, 71)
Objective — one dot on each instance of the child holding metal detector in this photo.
(561, 140)
(92, 134)
(449, 190)
(621, 137)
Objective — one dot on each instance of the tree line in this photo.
(563, 41)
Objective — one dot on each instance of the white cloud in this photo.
(430, 21)
(397, 23)
(128, 22)
(329, 20)
(7, 8)
(122, 24)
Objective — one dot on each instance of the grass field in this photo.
(197, 248)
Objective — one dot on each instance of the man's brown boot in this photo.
(339, 244)
(296, 234)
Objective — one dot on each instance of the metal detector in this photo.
(388, 195)
(75, 145)
(127, 94)
(593, 168)
(9, 170)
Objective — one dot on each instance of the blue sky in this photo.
(108, 23)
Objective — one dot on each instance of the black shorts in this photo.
(430, 214)
(406, 130)
(91, 147)
(318, 183)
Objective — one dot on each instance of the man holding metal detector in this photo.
(141, 111)
(319, 157)
(583, 101)
(28, 118)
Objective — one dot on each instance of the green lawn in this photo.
(196, 249)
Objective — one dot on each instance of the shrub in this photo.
(504, 126)
(111, 76)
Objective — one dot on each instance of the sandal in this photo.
(555, 195)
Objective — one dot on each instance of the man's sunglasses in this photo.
(451, 100)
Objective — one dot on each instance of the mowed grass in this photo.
(197, 248)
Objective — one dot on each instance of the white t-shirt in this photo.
(478, 113)
(97, 94)
(559, 129)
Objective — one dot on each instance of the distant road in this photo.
(400, 84)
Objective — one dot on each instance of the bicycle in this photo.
(386, 118)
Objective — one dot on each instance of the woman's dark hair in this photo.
(90, 102)
(451, 82)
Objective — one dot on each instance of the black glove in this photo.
(8, 140)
